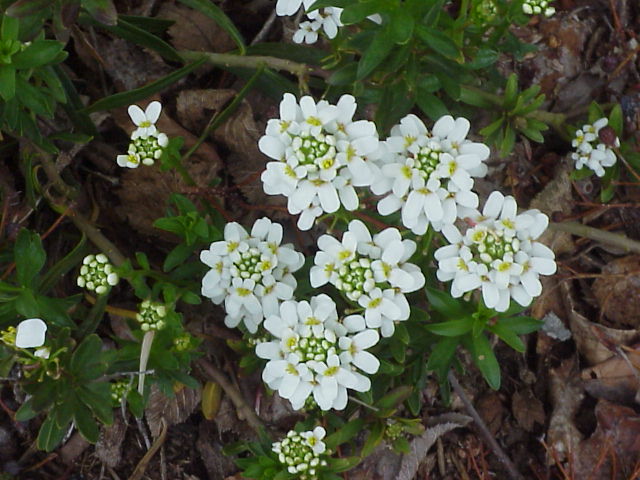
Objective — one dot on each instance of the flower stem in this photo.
(610, 238)
(247, 61)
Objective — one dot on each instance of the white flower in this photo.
(328, 18)
(145, 120)
(372, 271)
(130, 160)
(30, 333)
(289, 7)
(250, 273)
(429, 175)
(307, 32)
(497, 254)
(590, 152)
(97, 274)
(321, 155)
(314, 355)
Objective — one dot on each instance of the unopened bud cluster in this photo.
(537, 7)
(119, 391)
(182, 343)
(301, 452)
(152, 315)
(97, 274)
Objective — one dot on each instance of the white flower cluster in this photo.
(537, 7)
(590, 151)
(321, 155)
(313, 354)
(251, 274)
(326, 19)
(429, 175)
(372, 271)
(497, 253)
(302, 452)
(97, 274)
(151, 315)
(147, 143)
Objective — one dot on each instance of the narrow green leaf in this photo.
(401, 26)
(431, 105)
(33, 98)
(39, 53)
(377, 51)
(25, 8)
(484, 58)
(451, 328)
(344, 434)
(7, 82)
(102, 10)
(215, 13)
(508, 336)
(9, 29)
(133, 96)
(355, 12)
(395, 397)
(376, 434)
(26, 411)
(439, 42)
(442, 355)
(444, 303)
(511, 92)
(484, 358)
(86, 424)
(615, 119)
(508, 141)
(522, 325)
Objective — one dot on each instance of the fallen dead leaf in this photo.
(109, 445)
(527, 409)
(618, 291)
(172, 410)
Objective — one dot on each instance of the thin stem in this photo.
(244, 411)
(366, 405)
(484, 431)
(610, 238)
(247, 61)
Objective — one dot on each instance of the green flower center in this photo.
(315, 152)
(252, 265)
(489, 245)
(312, 348)
(355, 278)
(427, 160)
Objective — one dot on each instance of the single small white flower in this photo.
(307, 32)
(497, 254)
(30, 333)
(328, 19)
(146, 119)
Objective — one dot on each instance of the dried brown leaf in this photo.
(172, 410)
(527, 409)
(618, 291)
(109, 445)
(193, 30)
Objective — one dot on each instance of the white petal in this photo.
(30, 333)
(136, 114)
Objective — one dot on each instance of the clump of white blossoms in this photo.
(147, 143)
(372, 271)
(498, 254)
(591, 152)
(313, 354)
(97, 274)
(429, 175)
(252, 273)
(302, 453)
(537, 7)
(321, 154)
(151, 315)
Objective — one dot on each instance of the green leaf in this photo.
(50, 434)
(615, 119)
(378, 50)
(86, 424)
(26, 411)
(431, 105)
(444, 303)
(26, 304)
(344, 434)
(484, 58)
(595, 112)
(401, 26)
(442, 355)
(439, 42)
(451, 328)
(39, 53)
(508, 141)
(355, 12)
(7, 82)
(135, 95)
(376, 434)
(216, 14)
(522, 325)
(532, 133)
(26, 8)
(33, 98)
(102, 11)
(344, 75)
(511, 92)
(342, 464)
(86, 355)
(394, 398)
(507, 336)
(9, 29)
(484, 358)
(492, 127)
(29, 256)
(56, 310)
(401, 445)
(177, 256)
(97, 396)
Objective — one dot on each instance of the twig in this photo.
(265, 28)
(244, 411)
(484, 431)
(247, 61)
(614, 239)
(144, 461)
